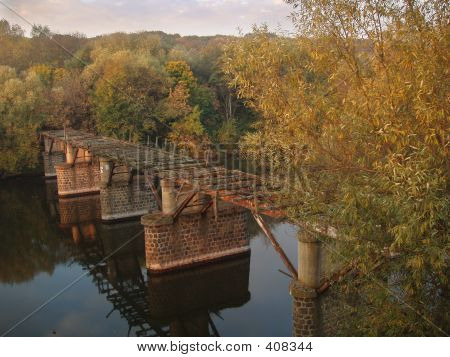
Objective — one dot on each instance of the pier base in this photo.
(193, 238)
(77, 179)
(122, 200)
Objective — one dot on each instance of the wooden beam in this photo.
(275, 244)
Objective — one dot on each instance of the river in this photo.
(40, 257)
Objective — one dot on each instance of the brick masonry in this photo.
(194, 238)
(305, 310)
(50, 160)
(122, 200)
(81, 178)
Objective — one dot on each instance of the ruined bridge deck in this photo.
(234, 186)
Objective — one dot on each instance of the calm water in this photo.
(39, 257)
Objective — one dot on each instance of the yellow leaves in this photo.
(416, 262)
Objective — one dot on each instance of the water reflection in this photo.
(176, 303)
(47, 243)
(29, 238)
(169, 304)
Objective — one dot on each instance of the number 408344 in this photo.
(288, 346)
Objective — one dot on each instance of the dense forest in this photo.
(351, 112)
(130, 86)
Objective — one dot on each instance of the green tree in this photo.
(179, 71)
(125, 94)
(23, 110)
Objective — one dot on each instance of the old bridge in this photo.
(192, 211)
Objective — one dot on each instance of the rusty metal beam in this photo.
(184, 204)
(153, 189)
(130, 176)
(206, 207)
(75, 155)
(275, 244)
(111, 173)
(51, 146)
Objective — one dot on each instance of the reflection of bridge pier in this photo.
(185, 299)
(176, 303)
(306, 306)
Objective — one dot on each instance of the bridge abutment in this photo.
(122, 200)
(78, 178)
(194, 238)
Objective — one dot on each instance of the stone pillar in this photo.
(87, 156)
(306, 307)
(105, 171)
(70, 155)
(47, 142)
(169, 196)
(309, 260)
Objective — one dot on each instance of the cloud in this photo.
(187, 17)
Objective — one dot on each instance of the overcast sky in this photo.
(186, 17)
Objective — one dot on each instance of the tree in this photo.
(186, 129)
(70, 105)
(125, 94)
(179, 71)
(361, 95)
(23, 108)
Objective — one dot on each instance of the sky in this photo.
(186, 17)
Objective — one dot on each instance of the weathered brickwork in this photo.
(304, 310)
(194, 238)
(187, 293)
(122, 200)
(50, 160)
(81, 178)
(79, 209)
